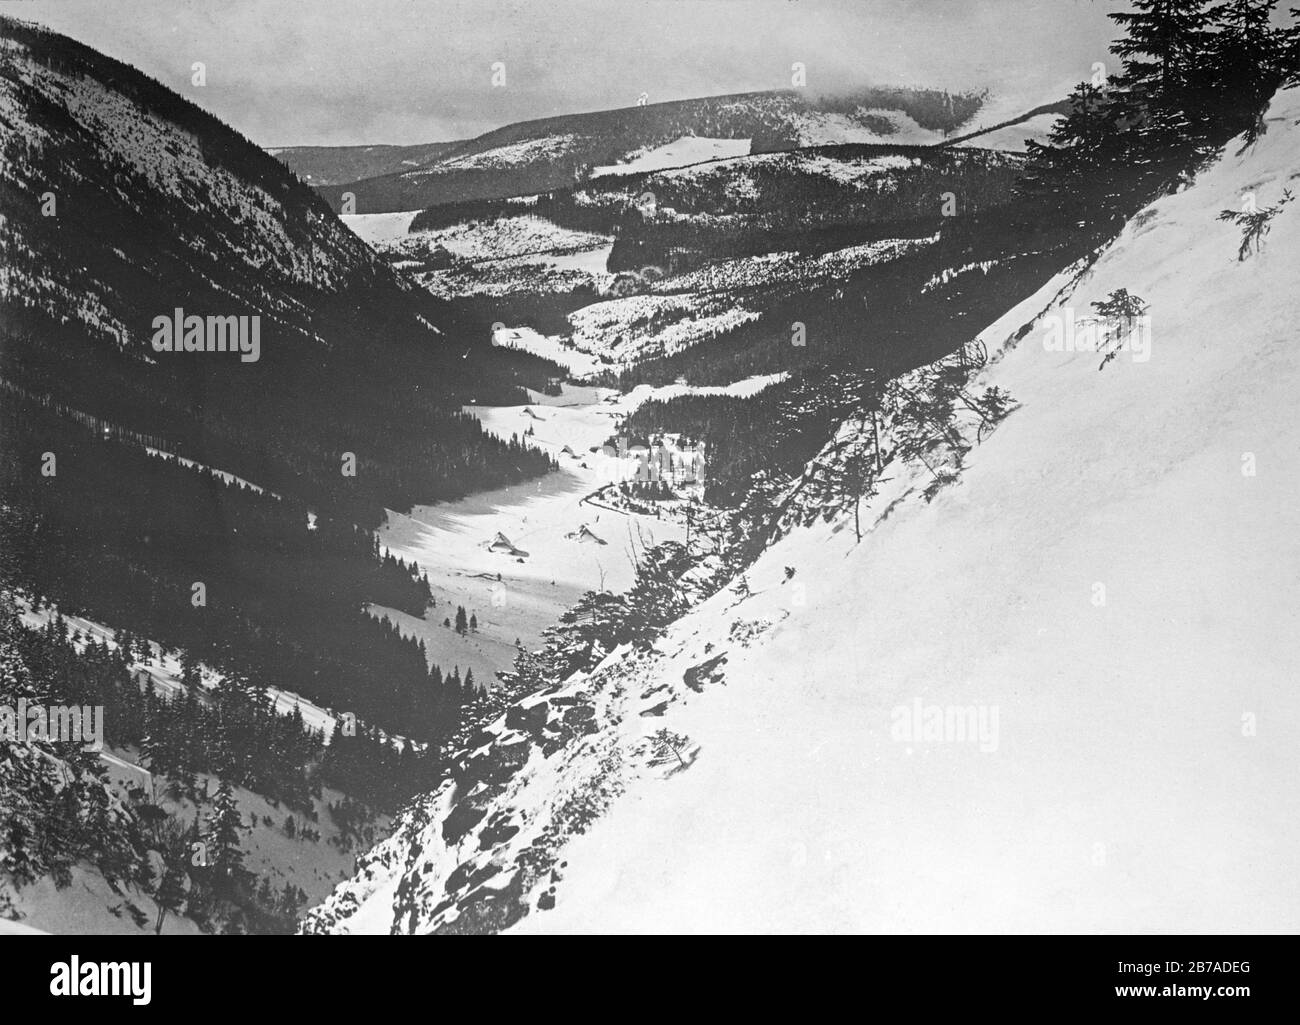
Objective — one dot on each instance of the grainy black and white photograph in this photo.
(650, 467)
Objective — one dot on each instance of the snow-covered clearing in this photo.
(1029, 90)
(741, 389)
(1016, 137)
(824, 128)
(783, 268)
(549, 147)
(499, 256)
(552, 347)
(859, 171)
(88, 907)
(591, 261)
(636, 327)
(501, 238)
(689, 149)
(377, 229)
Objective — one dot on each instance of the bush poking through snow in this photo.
(1118, 312)
(671, 751)
(1255, 224)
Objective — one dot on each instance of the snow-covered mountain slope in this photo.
(647, 265)
(687, 150)
(526, 253)
(376, 230)
(163, 671)
(489, 256)
(683, 310)
(536, 156)
(1058, 695)
(188, 205)
(330, 165)
(125, 207)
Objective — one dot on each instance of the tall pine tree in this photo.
(1245, 64)
(227, 856)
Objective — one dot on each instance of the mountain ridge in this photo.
(336, 165)
(541, 154)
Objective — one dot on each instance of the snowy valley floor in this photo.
(541, 518)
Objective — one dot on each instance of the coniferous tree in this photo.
(170, 895)
(227, 856)
(1066, 175)
(1245, 64)
(1162, 39)
(1289, 50)
(1160, 93)
(191, 674)
(18, 859)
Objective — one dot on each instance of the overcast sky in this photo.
(333, 72)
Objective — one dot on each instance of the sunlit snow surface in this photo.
(689, 149)
(1142, 776)
(1126, 792)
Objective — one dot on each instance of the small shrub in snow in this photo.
(1255, 223)
(1119, 310)
(668, 746)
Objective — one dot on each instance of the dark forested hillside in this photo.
(124, 202)
(101, 528)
